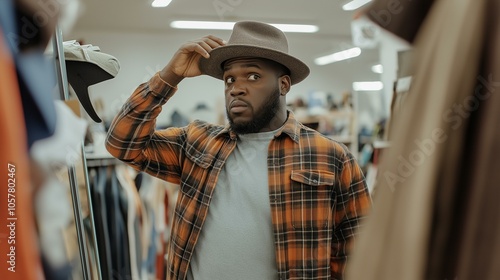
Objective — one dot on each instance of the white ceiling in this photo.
(334, 25)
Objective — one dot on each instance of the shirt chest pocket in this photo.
(197, 165)
(311, 195)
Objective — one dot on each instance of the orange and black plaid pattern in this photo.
(317, 191)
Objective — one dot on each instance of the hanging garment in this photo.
(436, 213)
(133, 222)
(101, 222)
(403, 18)
(54, 214)
(35, 71)
(18, 242)
(117, 228)
(155, 198)
(148, 193)
(64, 146)
(477, 245)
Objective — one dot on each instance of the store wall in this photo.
(143, 54)
(390, 45)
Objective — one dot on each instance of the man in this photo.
(262, 198)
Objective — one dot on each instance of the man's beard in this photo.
(262, 116)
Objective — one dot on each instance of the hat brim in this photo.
(81, 75)
(213, 65)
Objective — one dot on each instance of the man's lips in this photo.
(238, 106)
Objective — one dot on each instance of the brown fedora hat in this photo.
(254, 39)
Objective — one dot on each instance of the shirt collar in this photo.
(290, 128)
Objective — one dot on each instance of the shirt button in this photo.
(197, 155)
(315, 181)
(218, 163)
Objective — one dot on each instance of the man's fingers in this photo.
(211, 42)
(204, 45)
(196, 48)
(216, 41)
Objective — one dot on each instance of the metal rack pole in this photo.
(91, 212)
(77, 208)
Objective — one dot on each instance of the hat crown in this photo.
(252, 33)
(258, 40)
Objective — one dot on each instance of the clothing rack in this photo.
(75, 195)
(96, 162)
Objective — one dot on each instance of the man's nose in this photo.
(237, 88)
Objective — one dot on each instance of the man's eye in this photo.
(253, 77)
(229, 80)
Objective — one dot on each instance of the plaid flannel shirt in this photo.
(317, 191)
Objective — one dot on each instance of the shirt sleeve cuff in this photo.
(159, 86)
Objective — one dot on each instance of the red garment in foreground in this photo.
(19, 253)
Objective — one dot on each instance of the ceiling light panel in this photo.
(338, 56)
(355, 4)
(224, 25)
(160, 3)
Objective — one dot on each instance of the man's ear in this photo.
(284, 82)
